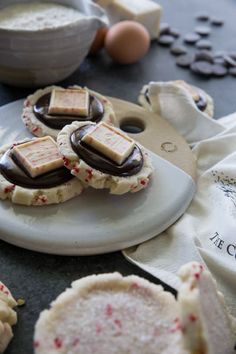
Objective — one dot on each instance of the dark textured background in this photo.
(40, 278)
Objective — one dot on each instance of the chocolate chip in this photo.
(185, 60)
(204, 55)
(204, 44)
(166, 40)
(178, 49)
(203, 30)
(191, 38)
(219, 70)
(202, 68)
(229, 61)
(232, 71)
(164, 28)
(174, 32)
(217, 21)
(202, 16)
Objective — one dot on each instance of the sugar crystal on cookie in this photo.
(38, 156)
(72, 101)
(110, 141)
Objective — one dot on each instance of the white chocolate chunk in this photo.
(73, 102)
(110, 141)
(146, 12)
(38, 156)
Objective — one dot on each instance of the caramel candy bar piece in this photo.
(73, 102)
(110, 141)
(38, 156)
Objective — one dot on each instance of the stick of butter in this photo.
(110, 141)
(146, 12)
(38, 156)
(73, 102)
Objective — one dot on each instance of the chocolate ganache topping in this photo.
(131, 166)
(15, 173)
(40, 110)
(201, 103)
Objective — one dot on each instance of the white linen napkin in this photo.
(207, 230)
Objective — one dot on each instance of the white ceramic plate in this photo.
(94, 222)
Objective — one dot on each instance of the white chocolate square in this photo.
(74, 102)
(110, 141)
(38, 156)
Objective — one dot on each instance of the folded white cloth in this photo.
(207, 231)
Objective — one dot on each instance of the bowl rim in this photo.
(102, 18)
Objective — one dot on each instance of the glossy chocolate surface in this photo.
(201, 103)
(40, 110)
(131, 166)
(15, 173)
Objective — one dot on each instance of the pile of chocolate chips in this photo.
(203, 61)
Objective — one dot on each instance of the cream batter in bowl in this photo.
(44, 42)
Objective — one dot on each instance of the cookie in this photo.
(39, 122)
(96, 168)
(32, 173)
(8, 316)
(200, 98)
(207, 325)
(112, 314)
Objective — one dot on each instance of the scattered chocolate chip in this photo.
(232, 71)
(174, 32)
(219, 70)
(202, 68)
(178, 49)
(204, 44)
(204, 55)
(217, 21)
(229, 61)
(202, 16)
(191, 38)
(166, 40)
(164, 28)
(185, 60)
(203, 30)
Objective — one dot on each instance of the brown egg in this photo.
(98, 42)
(126, 42)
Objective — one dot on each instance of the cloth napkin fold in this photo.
(207, 231)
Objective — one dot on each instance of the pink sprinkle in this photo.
(197, 275)
(90, 173)
(36, 344)
(58, 343)
(143, 182)
(192, 318)
(34, 130)
(76, 342)
(9, 189)
(76, 169)
(98, 328)
(135, 286)
(66, 161)
(6, 292)
(118, 323)
(109, 310)
(1, 287)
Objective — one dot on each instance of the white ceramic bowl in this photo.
(38, 58)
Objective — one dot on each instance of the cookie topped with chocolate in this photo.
(103, 156)
(200, 98)
(32, 172)
(47, 111)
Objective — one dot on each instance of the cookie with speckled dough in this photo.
(206, 322)
(201, 99)
(8, 316)
(51, 188)
(99, 171)
(40, 123)
(108, 313)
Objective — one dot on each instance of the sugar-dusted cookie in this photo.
(8, 316)
(200, 98)
(207, 325)
(112, 314)
(32, 173)
(102, 156)
(65, 106)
